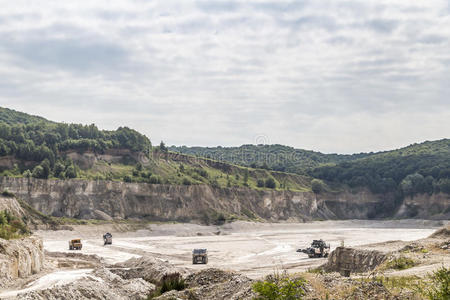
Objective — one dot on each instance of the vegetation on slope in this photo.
(42, 144)
(273, 157)
(39, 148)
(416, 169)
(11, 227)
(419, 168)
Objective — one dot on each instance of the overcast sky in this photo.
(333, 76)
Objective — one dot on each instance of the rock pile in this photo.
(214, 284)
(100, 284)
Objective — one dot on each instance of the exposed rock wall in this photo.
(354, 260)
(20, 258)
(108, 199)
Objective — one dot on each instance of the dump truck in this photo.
(75, 244)
(317, 249)
(199, 256)
(107, 239)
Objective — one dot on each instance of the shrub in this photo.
(11, 227)
(127, 178)
(439, 289)
(401, 263)
(154, 179)
(280, 287)
(169, 282)
(260, 183)
(270, 183)
(7, 193)
(317, 186)
(186, 181)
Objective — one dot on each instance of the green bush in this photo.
(169, 282)
(260, 183)
(317, 186)
(280, 287)
(439, 289)
(401, 263)
(270, 183)
(11, 227)
(186, 181)
(154, 179)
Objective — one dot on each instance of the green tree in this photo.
(46, 168)
(71, 172)
(317, 186)
(270, 183)
(38, 172)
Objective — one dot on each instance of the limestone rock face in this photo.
(108, 200)
(354, 260)
(20, 258)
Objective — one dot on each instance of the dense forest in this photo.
(418, 168)
(34, 139)
(273, 157)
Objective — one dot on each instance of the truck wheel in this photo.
(70, 248)
(194, 262)
(326, 255)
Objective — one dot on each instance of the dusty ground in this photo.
(253, 249)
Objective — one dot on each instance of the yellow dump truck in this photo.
(75, 244)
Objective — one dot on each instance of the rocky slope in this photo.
(107, 199)
(20, 258)
(344, 259)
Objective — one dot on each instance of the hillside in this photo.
(31, 146)
(416, 169)
(273, 157)
(12, 117)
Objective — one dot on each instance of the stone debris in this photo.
(100, 284)
(148, 268)
(214, 284)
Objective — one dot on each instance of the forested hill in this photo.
(418, 168)
(273, 157)
(12, 117)
(35, 139)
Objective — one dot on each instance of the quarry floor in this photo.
(253, 249)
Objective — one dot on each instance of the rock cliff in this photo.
(119, 200)
(20, 258)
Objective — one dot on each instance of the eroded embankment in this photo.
(20, 258)
(344, 259)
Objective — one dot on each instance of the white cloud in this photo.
(335, 76)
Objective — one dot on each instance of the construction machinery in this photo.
(75, 244)
(199, 256)
(317, 249)
(107, 239)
